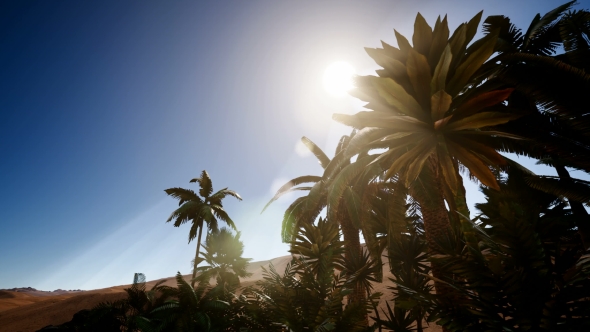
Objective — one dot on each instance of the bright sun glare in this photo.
(338, 78)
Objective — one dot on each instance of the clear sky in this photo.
(104, 104)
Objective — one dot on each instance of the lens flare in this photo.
(338, 78)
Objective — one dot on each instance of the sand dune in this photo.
(29, 312)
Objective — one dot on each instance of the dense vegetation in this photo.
(443, 107)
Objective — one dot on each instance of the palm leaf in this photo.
(475, 165)
(373, 119)
(540, 24)
(415, 167)
(342, 181)
(424, 145)
(439, 78)
(440, 36)
(457, 46)
(396, 96)
(468, 67)
(403, 44)
(363, 137)
(481, 120)
(290, 219)
(183, 195)
(482, 101)
(419, 74)
(574, 189)
(205, 183)
(353, 206)
(509, 37)
(192, 234)
(221, 194)
(574, 28)
(447, 167)
(471, 27)
(422, 38)
(288, 187)
(488, 152)
(392, 68)
(220, 213)
(322, 158)
(439, 104)
(185, 212)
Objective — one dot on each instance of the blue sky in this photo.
(105, 104)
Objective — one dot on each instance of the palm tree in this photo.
(433, 116)
(223, 252)
(536, 276)
(309, 295)
(552, 87)
(305, 209)
(205, 207)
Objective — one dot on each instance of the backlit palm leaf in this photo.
(289, 187)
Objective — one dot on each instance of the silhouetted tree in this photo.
(203, 208)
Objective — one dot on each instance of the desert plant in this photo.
(203, 208)
(310, 293)
(534, 277)
(223, 252)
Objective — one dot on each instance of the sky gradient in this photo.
(105, 104)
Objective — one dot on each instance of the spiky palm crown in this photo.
(427, 104)
(223, 252)
(205, 206)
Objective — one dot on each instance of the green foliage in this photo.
(440, 111)
(191, 309)
(309, 295)
(204, 209)
(408, 261)
(534, 276)
(223, 252)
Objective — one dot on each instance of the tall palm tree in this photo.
(202, 208)
(551, 86)
(433, 116)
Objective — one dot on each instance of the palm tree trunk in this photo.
(436, 222)
(197, 257)
(353, 251)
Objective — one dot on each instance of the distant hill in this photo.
(36, 292)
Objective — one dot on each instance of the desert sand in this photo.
(31, 311)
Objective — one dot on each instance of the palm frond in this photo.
(322, 158)
(183, 195)
(205, 184)
(574, 189)
(288, 187)
(221, 194)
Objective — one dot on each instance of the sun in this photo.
(338, 78)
